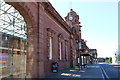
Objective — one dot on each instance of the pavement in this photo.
(92, 72)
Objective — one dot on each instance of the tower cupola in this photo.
(72, 19)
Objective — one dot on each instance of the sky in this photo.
(99, 20)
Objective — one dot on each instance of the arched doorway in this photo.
(30, 11)
(14, 44)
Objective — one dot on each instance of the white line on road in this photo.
(105, 73)
(102, 73)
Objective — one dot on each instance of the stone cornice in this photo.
(50, 10)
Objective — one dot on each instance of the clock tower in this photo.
(72, 19)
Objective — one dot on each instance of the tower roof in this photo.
(72, 12)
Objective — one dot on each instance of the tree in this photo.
(108, 59)
(118, 57)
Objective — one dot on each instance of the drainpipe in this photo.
(38, 42)
(71, 53)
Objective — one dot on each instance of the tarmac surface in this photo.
(92, 72)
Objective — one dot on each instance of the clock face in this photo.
(70, 18)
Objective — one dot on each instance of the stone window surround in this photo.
(66, 50)
(60, 41)
(50, 33)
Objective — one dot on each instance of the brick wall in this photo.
(39, 18)
(49, 22)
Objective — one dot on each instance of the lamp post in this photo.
(115, 58)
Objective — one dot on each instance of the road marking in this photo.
(104, 72)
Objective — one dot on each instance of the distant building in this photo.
(93, 53)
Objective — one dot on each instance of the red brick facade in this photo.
(43, 23)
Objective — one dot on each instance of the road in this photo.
(111, 71)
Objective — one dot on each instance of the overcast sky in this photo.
(99, 20)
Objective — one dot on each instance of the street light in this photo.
(115, 57)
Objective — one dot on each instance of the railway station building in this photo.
(33, 35)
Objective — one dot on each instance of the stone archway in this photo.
(31, 19)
